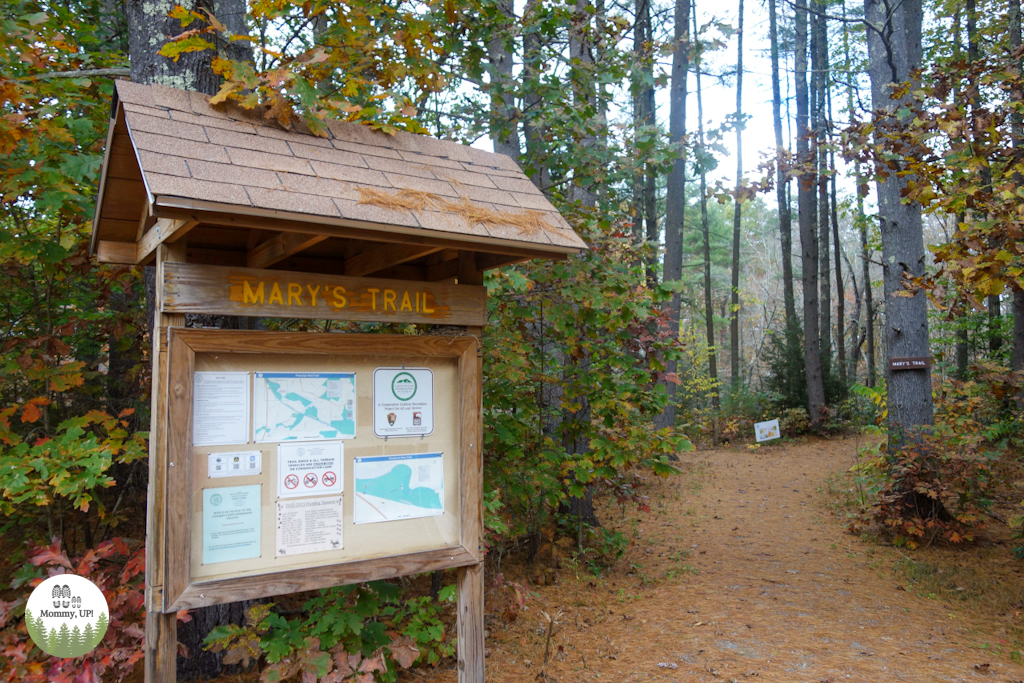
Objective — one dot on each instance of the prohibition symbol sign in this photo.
(329, 478)
(291, 481)
(310, 480)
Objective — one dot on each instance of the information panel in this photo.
(403, 402)
(304, 406)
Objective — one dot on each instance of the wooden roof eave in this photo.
(214, 213)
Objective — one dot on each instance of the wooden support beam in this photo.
(165, 230)
(383, 257)
(161, 646)
(279, 247)
(470, 623)
(121, 253)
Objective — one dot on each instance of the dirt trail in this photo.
(743, 576)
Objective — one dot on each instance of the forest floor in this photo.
(744, 570)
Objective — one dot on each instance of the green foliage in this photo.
(347, 633)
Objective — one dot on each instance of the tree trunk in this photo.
(533, 131)
(709, 310)
(840, 290)
(504, 129)
(853, 357)
(892, 55)
(781, 179)
(808, 228)
(819, 79)
(1017, 130)
(734, 298)
(675, 202)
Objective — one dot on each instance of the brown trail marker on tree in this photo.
(188, 185)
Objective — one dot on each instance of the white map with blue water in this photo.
(393, 487)
(304, 406)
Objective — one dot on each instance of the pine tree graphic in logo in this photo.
(403, 386)
(66, 616)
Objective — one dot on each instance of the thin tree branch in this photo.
(79, 73)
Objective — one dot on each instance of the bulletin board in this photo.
(299, 461)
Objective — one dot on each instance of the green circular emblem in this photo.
(403, 386)
(216, 499)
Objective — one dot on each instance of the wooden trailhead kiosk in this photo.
(279, 461)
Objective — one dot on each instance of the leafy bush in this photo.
(349, 633)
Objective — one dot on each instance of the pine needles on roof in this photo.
(526, 222)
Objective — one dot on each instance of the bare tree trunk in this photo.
(1017, 130)
(819, 80)
(734, 298)
(892, 55)
(709, 310)
(840, 291)
(781, 179)
(808, 228)
(533, 131)
(504, 129)
(853, 357)
(675, 202)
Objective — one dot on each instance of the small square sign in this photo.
(766, 431)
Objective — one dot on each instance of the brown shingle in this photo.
(173, 186)
(148, 111)
(165, 126)
(328, 154)
(483, 194)
(457, 178)
(181, 148)
(517, 185)
(375, 214)
(292, 136)
(368, 150)
(153, 162)
(430, 162)
(420, 184)
(360, 135)
(211, 122)
(135, 93)
(479, 156)
(403, 167)
(532, 201)
(315, 185)
(272, 162)
(258, 143)
(296, 202)
(364, 176)
(508, 232)
(448, 222)
(172, 98)
(228, 173)
(562, 238)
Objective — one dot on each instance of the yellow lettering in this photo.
(339, 297)
(417, 302)
(294, 292)
(389, 298)
(406, 305)
(275, 295)
(425, 309)
(250, 296)
(313, 293)
(373, 297)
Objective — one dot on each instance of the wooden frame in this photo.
(179, 590)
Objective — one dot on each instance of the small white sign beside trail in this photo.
(766, 431)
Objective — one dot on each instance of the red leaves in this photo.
(50, 554)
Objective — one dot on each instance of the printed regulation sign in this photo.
(309, 469)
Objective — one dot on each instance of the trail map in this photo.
(304, 406)
(393, 487)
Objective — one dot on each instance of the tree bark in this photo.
(781, 179)
(675, 201)
(533, 131)
(709, 310)
(148, 24)
(808, 228)
(504, 130)
(819, 79)
(737, 213)
(893, 52)
(840, 290)
(1017, 130)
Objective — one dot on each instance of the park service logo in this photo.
(66, 616)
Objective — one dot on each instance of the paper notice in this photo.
(234, 464)
(403, 402)
(308, 526)
(309, 469)
(220, 408)
(231, 523)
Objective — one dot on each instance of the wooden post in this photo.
(161, 629)
(470, 580)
